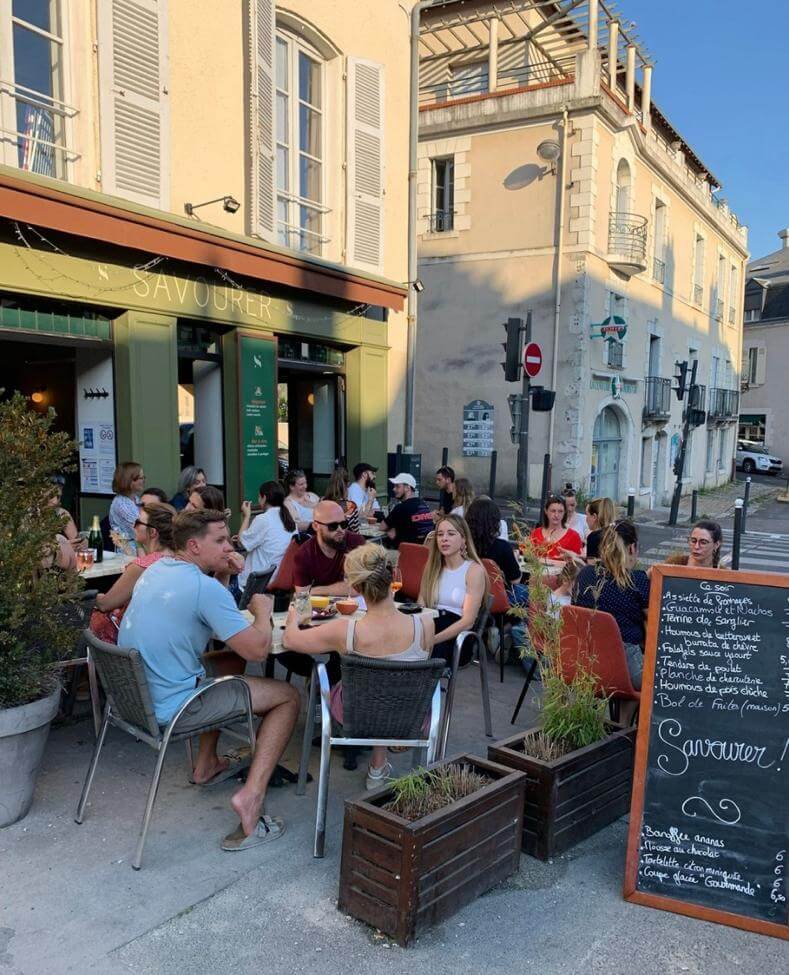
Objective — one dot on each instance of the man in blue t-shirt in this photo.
(176, 608)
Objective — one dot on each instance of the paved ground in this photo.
(70, 903)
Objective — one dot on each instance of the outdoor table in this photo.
(112, 565)
(372, 531)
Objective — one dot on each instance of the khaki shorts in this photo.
(223, 703)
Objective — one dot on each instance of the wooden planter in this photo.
(402, 877)
(575, 796)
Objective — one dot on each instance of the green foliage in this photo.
(34, 632)
(424, 791)
(572, 715)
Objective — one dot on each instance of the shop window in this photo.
(33, 113)
(300, 124)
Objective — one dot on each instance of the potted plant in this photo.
(417, 850)
(33, 631)
(579, 764)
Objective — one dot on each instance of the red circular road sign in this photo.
(532, 359)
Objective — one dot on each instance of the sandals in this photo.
(267, 829)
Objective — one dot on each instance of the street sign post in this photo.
(532, 359)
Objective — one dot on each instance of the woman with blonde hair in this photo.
(615, 586)
(463, 496)
(383, 632)
(599, 515)
(454, 582)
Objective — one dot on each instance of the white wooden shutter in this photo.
(134, 101)
(262, 101)
(365, 198)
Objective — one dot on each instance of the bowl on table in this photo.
(346, 606)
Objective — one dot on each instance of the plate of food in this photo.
(324, 613)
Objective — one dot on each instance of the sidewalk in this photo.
(714, 503)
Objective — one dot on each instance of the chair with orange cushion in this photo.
(283, 581)
(500, 604)
(412, 560)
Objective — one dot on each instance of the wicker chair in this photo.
(385, 702)
(130, 708)
(77, 613)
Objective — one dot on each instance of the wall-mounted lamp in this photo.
(229, 203)
(549, 151)
(419, 286)
(38, 395)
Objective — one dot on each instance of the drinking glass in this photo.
(301, 600)
(84, 560)
(397, 580)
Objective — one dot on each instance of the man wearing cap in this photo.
(410, 519)
(362, 491)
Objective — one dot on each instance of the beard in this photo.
(336, 543)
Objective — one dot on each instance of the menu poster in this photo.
(95, 408)
(709, 823)
(257, 410)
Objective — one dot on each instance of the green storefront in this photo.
(151, 357)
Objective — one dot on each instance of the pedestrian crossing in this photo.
(759, 551)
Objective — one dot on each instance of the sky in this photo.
(721, 78)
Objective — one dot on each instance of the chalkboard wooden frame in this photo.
(240, 335)
(631, 893)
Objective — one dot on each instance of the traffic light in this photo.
(682, 378)
(512, 350)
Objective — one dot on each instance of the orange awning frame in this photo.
(37, 201)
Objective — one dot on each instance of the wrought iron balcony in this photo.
(659, 270)
(724, 404)
(657, 400)
(439, 221)
(627, 243)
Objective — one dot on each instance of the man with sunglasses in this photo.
(320, 562)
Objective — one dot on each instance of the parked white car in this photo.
(754, 457)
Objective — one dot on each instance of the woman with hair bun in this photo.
(615, 586)
(383, 632)
(599, 515)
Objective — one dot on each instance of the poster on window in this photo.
(95, 422)
(478, 429)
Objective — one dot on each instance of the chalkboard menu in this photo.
(709, 825)
(257, 410)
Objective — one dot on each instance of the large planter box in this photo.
(402, 877)
(571, 798)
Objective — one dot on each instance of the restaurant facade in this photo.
(260, 331)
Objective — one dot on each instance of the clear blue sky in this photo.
(721, 77)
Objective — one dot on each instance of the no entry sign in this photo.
(532, 359)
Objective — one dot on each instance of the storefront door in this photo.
(606, 450)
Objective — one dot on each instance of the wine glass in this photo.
(397, 580)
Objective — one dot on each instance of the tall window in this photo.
(300, 147)
(32, 111)
(615, 350)
(733, 294)
(710, 450)
(442, 215)
(623, 188)
(720, 287)
(659, 268)
(722, 458)
(698, 270)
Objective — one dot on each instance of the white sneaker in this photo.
(377, 776)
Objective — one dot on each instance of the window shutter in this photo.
(262, 44)
(365, 201)
(134, 109)
(761, 365)
(745, 370)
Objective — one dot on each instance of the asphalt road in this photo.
(769, 479)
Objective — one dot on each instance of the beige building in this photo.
(550, 182)
(181, 177)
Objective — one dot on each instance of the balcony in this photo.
(657, 399)
(627, 243)
(659, 270)
(440, 221)
(696, 397)
(724, 404)
(41, 138)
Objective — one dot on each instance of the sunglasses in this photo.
(333, 525)
(141, 524)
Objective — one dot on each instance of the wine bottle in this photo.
(95, 541)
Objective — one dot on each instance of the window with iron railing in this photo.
(627, 236)
(657, 397)
(441, 217)
(615, 354)
(34, 118)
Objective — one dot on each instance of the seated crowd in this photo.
(176, 601)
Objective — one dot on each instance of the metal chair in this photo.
(77, 613)
(130, 708)
(477, 637)
(385, 702)
(257, 583)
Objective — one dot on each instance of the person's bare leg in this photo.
(279, 703)
(208, 763)
(378, 757)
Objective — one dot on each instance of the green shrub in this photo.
(34, 632)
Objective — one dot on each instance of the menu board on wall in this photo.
(95, 422)
(257, 411)
(478, 436)
(709, 824)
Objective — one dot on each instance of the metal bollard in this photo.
(631, 502)
(492, 482)
(735, 552)
(745, 504)
(694, 504)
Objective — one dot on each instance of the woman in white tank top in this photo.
(383, 632)
(454, 582)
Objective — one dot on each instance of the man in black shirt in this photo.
(410, 519)
(445, 482)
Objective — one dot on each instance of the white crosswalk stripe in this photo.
(760, 551)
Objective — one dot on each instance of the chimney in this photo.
(784, 235)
